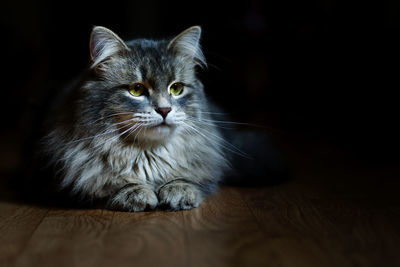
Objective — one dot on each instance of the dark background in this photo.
(323, 70)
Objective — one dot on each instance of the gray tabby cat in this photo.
(137, 130)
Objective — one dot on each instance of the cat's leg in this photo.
(180, 194)
(133, 197)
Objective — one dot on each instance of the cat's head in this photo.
(143, 89)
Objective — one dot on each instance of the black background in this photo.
(325, 70)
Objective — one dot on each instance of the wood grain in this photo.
(17, 224)
(333, 212)
(223, 221)
(71, 237)
(145, 239)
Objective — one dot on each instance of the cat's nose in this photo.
(163, 111)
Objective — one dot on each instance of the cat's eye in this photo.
(137, 89)
(176, 89)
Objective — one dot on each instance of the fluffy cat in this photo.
(137, 129)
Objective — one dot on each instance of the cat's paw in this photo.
(179, 196)
(135, 198)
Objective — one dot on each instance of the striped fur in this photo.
(108, 143)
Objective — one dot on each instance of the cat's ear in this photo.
(187, 44)
(103, 44)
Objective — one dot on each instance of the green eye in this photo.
(176, 89)
(137, 89)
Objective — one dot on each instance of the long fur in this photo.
(104, 143)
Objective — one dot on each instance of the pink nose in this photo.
(163, 111)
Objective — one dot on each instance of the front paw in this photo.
(134, 197)
(179, 196)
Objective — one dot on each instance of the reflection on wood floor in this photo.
(332, 212)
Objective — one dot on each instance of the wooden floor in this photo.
(333, 212)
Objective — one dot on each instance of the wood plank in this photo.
(67, 237)
(323, 231)
(291, 230)
(106, 238)
(282, 226)
(219, 230)
(145, 239)
(17, 224)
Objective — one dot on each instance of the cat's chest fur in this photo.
(116, 164)
(152, 165)
(99, 167)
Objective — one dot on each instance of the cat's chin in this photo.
(151, 136)
(157, 133)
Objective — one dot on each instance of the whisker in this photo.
(232, 123)
(117, 114)
(209, 123)
(139, 125)
(125, 121)
(216, 122)
(238, 152)
(108, 116)
(143, 115)
(94, 136)
(228, 145)
(134, 139)
(110, 130)
(145, 120)
(114, 138)
(214, 113)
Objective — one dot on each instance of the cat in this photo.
(137, 129)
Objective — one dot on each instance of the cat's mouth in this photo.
(161, 129)
(144, 131)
